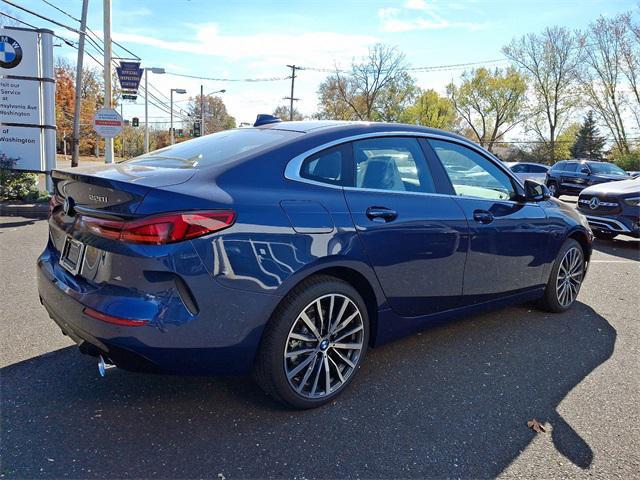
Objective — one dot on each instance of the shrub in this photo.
(16, 185)
(628, 161)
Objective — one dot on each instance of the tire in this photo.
(556, 297)
(554, 190)
(300, 381)
(604, 235)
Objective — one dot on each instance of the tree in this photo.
(551, 60)
(490, 103)
(65, 106)
(589, 143)
(282, 112)
(331, 105)
(603, 73)
(216, 117)
(631, 61)
(431, 110)
(375, 88)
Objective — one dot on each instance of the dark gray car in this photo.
(570, 177)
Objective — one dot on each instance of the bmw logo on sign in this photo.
(10, 52)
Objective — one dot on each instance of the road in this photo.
(450, 402)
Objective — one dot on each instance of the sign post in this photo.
(27, 99)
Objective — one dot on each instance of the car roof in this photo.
(348, 128)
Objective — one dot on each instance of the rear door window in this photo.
(570, 167)
(537, 169)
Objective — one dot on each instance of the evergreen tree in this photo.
(589, 143)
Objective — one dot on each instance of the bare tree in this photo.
(376, 88)
(490, 103)
(603, 73)
(631, 61)
(551, 61)
(282, 112)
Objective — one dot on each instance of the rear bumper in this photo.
(222, 339)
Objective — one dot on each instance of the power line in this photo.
(35, 14)
(61, 11)
(267, 79)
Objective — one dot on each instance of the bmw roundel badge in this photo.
(10, 52)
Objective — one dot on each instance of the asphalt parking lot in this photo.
(453, 401)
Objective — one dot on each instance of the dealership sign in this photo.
(27, 98)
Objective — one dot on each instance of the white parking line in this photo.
(614, 261)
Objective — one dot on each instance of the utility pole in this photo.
(146, 111)
(292, 98)
(75, 136)
(108, 142)
(202, 110)
(123, 149)
(173, 138)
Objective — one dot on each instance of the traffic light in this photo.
(180, 132)
(196, 129)
(135, 122)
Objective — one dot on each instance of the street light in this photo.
(157, 70)
(180, 91)
(202, 107)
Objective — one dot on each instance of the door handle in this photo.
(381, 214)
(483, 216)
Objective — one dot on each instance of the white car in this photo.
(529, 170)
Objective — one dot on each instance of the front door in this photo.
(509, 239)
(416, 240)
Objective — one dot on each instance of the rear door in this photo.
(568, 177)
(416, 239)
(508, 239)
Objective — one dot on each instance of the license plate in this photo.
(71, 258)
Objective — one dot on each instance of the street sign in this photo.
(129, 97)
(107, 122)
(129, 74)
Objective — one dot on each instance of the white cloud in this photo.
(311, 48)
(430, 18)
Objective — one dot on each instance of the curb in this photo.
(27, 210)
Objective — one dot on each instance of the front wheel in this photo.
(565, 279)
(314, 343)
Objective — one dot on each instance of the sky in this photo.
(257, 39)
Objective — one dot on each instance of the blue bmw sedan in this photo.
(286, 250)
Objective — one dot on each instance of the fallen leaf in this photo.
(535, 426)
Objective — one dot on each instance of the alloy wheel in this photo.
(570, 275)
(323, 346)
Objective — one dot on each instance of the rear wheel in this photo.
(565, 279)
(553, 189)
(604, 235)
(314, 343)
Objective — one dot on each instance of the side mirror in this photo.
(536, 192)
(585, 170)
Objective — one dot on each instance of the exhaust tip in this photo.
(103, 366)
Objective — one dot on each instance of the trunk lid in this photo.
(116, 189)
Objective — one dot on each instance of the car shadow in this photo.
(453, 401)
(19, 223)
(624, 247)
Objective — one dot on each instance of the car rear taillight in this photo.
(161, 229)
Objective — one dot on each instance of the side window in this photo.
(570, 167)
(472, 174)
(537, 169)
(392, 163)
(519, 168)
(558, 167)
(325, 166)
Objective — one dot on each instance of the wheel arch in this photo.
(359, 278)
(583, 239)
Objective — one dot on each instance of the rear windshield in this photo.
(214, 149)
